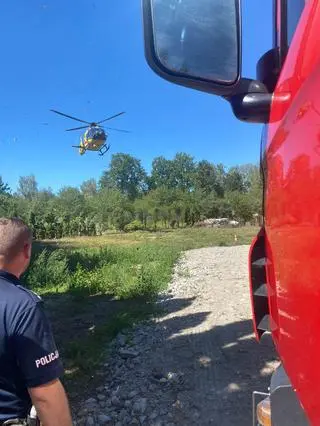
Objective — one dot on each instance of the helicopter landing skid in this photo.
(103, 150)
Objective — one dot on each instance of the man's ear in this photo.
(27, 251)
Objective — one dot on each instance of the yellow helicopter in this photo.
(94, 138)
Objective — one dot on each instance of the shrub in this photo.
(82, 280)
(48, 269)
(135, 225)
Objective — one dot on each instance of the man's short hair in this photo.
(14, 234)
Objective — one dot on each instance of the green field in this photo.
(95, 287)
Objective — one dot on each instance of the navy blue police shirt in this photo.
(28, 354)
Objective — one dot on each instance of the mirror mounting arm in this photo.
(251, 102)
(252, 107)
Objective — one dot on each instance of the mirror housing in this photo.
(197, 44)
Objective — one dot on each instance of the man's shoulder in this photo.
(19, 307)
(29, 294)
(17, 296)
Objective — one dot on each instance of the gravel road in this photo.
(195, 365)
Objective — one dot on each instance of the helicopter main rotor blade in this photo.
(110, 118)
(117, 130)
(77, 128)
(69, 116)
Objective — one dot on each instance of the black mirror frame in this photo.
(225, 90)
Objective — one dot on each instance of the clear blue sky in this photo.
(85, 57)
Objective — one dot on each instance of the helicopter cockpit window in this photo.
(95, 132)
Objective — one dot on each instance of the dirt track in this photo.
(196, 365)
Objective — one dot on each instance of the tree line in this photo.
(177, 192)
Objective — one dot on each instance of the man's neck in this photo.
(10, 270)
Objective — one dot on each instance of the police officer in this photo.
(30, 365)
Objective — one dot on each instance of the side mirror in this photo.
(195, 43)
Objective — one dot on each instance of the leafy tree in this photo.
(241, 204)
(142, 207)
(27, 187)
(192, 211)
(4, 205)
(70, 200)
(89, 188)
(177, 192)
(122, 214)
(6, 201)
(183, 169)
(45, 194)
(127, 175)
(106, 181)
(49, 224)
(178, 173)
(210, 206)
(103, 206)
(220, 185)
(4, 188)
(251, 177)
(234, 180)
(205, 177)
(161, 173)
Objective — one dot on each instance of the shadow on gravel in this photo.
(220, 368)
(83, 327)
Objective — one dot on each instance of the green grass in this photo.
(121, 272)
(187, 238)
(96, 286)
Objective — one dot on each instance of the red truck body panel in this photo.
(292, 212)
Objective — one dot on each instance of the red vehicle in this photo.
(197, 44)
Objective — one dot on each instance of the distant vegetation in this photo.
(176, 193)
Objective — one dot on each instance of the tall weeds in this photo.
(124, 273)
